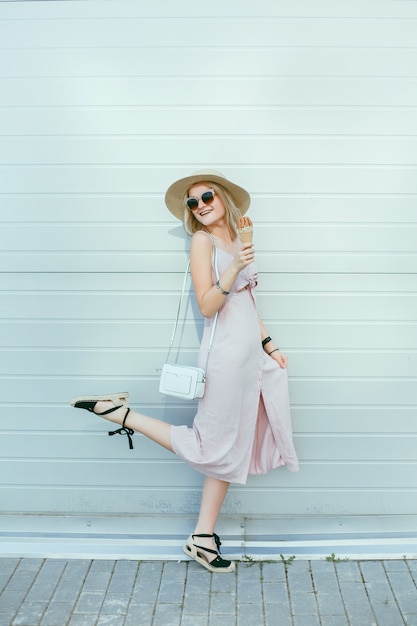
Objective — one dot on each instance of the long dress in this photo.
(243, 422)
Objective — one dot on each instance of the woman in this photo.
(243, 423)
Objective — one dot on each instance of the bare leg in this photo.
(154, 429)
(214, 493)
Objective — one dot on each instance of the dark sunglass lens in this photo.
(207, 197)
(192, 203)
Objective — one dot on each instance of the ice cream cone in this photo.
(245, 229)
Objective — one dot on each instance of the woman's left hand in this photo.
(280, 358)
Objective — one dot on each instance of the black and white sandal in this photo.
(89, 402)
(218, 564)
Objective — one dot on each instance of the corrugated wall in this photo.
(312, 107)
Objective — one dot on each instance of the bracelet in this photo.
(274, 350)
(224, 292)
(265, 341)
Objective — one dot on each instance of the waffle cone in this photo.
(245, 229)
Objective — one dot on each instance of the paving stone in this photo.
(122, 580)
(29, 614)
(197, 584)
(115, 604)
(145, 592)
(222, 620)
(194, 620)
(306, 620)
(326, 583)
(334, 620)
(150, 570)
(387, 615)
(57, 613)
(248, 572)
(6, 618)
(82, 620)
(372, 571)
(348, 571)
(303, 603)
(356, 603)
(275, 592)
(249, 592)
(250, 615)
(277, 614)
(196, 604)
(171, 592)
(222, 603)
(31, 565)
(97, 581)
(300, 582)
(223, 582)
(407, 603)
(273, 572)
(139, 615)
(402, 582)
(111, 620)
(89, 602)
(167, 615)
(11, 599)
(379, 592)
(330, 604)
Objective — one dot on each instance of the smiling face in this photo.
(207, 214)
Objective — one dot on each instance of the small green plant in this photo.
(248, 560)
(287, 561)
(334, 559)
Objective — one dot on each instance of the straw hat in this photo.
(174, 197)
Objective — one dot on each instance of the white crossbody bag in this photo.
(183, 381)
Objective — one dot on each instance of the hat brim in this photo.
(174, 197)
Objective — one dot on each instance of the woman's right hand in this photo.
(244, 257)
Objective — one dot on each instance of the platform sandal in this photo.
(218, 564)
(89, 402)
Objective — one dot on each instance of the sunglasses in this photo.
(207, 198)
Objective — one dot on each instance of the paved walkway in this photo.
(54, 592)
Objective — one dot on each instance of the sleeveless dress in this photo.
(243, 422)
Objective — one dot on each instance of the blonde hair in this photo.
(192, 225)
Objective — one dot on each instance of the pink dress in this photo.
(243, 422)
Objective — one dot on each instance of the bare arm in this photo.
(271, 349)
(209, 297)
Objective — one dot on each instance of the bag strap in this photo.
(184, 283)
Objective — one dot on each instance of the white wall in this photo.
(312, 107)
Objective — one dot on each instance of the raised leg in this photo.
(154, 429)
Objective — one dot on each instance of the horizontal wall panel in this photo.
(278, 61)
(130, 474)
(145, 237)
(84, 500)
(283, 31)
(106, 361)
(269, 282)
(309, 391)
(161, 307)
(240, 92)
(98, 446)
(272, 209)
(290, 335)
(268, 8)
(326, 420)
(164, 120)
(266, 179)
(71, 9)
(267, 150)
(120, 261)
